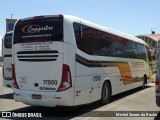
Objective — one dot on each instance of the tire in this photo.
(144, 81)
(106, 93)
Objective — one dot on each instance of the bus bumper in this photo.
(48, 99)
(7, 83)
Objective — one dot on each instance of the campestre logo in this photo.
(33, 28)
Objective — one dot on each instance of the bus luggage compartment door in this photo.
(39, 72)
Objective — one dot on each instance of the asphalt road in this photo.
(136, 104)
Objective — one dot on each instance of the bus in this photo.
(7, 59)
(62, 60)
(157, 84)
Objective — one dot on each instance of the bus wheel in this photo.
(106, 93)
(144, 81)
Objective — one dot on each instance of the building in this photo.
(153, 41)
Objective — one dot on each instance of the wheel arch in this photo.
(105, 96)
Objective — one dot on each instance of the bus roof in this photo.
(106, 29)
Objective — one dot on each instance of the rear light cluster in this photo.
(66, 81)
(15, 85)
(158, 86)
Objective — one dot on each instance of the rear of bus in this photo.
(158, 81)
(7, 59)
(41, 71)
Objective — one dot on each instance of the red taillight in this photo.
(158, 86)
(66, 81)
(15, 85)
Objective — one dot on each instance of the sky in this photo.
(133, 17)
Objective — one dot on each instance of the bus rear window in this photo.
(39, 30)
(8, 40)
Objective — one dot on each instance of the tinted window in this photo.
(8, 40)
(143, 53)
(96, 42)
(42, 29)
(135, 50)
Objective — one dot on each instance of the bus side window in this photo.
(80, 35)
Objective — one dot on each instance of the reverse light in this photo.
(15, 85)
(66, 81)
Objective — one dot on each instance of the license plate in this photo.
(36, 96)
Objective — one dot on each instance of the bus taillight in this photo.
(15, 85)
(158, 86)
(66, 81)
